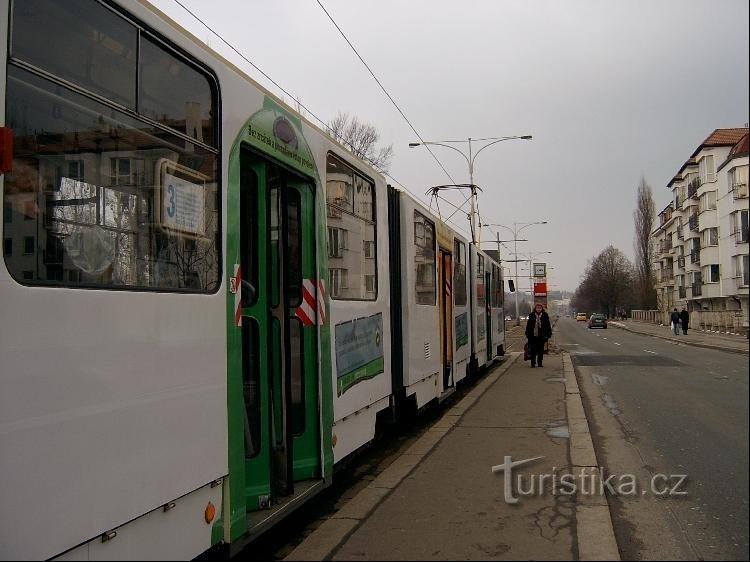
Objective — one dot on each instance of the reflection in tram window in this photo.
(424, 242)
(459, 272)
(112, 200)
(352, 248)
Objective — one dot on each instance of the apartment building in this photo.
(702, 238)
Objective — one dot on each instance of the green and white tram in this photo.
(197, 289)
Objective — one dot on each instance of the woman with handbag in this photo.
(538, 331)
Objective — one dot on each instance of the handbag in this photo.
(526, 354)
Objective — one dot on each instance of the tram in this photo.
(207, 302)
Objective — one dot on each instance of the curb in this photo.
(594, 530)
(322, 543)
(692, 344)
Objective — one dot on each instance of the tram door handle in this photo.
(248, 292)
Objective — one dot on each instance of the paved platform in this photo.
(697, 338)
(442, 500)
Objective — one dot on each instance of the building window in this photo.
(336, 242)
(706, 169)
(370, 286)
(739, 223)
(368, 247)
(338, 282)
(29, 246)
(711, 237)
(707, 202)
(745, 270)
(350, 199)
(459, 273)
(738, 182)
(711, 273)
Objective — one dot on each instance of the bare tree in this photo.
(643, 220)
(361, 138)
(606, 286)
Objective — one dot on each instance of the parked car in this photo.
(581, 316)
(598, 321)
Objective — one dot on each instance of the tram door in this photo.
(488, 309)
(279, 344)
(445, 281)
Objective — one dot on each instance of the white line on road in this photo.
(649, 351)
(616, 343)
(604, 338)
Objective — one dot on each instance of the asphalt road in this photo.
(659, 408)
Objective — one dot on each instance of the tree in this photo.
(643, 220)
(361, 138)
(607, 284)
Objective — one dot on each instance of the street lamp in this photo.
(470, 159)
(517, 227)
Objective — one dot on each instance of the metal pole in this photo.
(515, 256)
(474, 235)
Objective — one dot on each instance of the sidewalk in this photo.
(709, 340)
(441, 499)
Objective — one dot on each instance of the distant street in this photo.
(659, 408)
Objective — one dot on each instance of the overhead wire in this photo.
(324, 124)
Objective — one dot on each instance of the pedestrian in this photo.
(685, 319)
(674, 319)
(538, 331)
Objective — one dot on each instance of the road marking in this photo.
(649, 351)
(604, 338)
(616, 343)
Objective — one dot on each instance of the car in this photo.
(581, 316)
(598, 321)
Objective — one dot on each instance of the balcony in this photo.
(695, 256)
(693, 188)
(682, 292)
(739, 191)
(740, 236)
(697, 289)
(693, 223)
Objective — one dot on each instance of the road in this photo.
(659, 408)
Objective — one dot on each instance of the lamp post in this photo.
(470, 159)
(517, 227)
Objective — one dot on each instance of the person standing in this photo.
(685, 319)
(674, 318)
(538, 331)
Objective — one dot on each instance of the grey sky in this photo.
(610, 91)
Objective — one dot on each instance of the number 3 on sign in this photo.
(171, 208)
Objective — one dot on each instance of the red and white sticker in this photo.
(235, 286)
(313, 307)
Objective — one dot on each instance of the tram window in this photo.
(459, 272)
(352, 245)
(424, 243)
(480, 282)
(80, 41)
(174, 93)
(115, 200)
(293, 257)
(497, 287)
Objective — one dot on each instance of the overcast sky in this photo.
(610, 90)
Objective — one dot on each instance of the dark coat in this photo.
(546, 331)
(674, 318)
(685, 317)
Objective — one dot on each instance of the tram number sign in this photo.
(183, 205)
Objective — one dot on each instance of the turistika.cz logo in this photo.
(586, 482)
